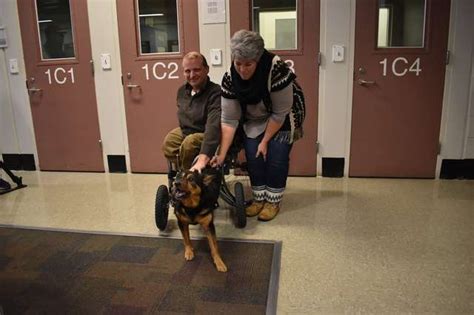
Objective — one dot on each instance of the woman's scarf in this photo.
(253, 90)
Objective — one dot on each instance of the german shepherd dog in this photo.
(194, 197)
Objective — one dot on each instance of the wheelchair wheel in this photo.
(161, 207)
(240, 219)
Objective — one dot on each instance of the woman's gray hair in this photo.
(246, 44)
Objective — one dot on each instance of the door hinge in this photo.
(100, 143)
(121, 79)
(448, 57)
(319, 58)
(317, 147)
(92, 66)
(439, 148)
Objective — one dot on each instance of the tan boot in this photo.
(254, 208)
(270, 210)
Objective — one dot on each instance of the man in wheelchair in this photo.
(199, 116)
(195, 141)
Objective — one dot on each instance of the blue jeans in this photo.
(268, 177)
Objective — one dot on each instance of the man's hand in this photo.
(217, 160)
(201, 163)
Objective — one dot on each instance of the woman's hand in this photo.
(217, 160)
(262, 149)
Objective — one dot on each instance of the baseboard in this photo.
(19, 162)
(117, 163)
(457, 169)
(333, 167)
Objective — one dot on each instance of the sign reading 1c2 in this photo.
(400, 66)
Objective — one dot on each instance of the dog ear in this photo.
(207, 179)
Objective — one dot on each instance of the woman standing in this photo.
(260, 92)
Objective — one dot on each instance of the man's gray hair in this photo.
(246, 44)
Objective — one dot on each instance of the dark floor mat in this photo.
(57, 272)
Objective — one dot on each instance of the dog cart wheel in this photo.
(162, 207)
(240, 219)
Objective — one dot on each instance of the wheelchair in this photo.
(236, 200)
(6, 185)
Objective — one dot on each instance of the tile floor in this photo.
(378, 246)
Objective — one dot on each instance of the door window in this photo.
(55, 29)
(276, 22)
(158, 25)
(401, 23)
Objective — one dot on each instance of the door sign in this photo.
(161, 71)
(291, 65)
(400, 66)
(60, 75)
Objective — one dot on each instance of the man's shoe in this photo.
(270, 210)
(254, 208)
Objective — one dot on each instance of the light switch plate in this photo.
(13, 66)
(216, 57)
(105, 61)
(337, 53)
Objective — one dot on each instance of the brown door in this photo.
(60, 82)
(154, 36)
(399, 68)
(290, 29)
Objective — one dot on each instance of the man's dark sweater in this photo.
(201, 112)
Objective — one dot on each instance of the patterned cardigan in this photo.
(280, 78)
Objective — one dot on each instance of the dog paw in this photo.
(188, 254)
(221, 267)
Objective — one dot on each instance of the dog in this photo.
(194, 197)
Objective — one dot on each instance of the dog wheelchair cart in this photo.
(236, 200)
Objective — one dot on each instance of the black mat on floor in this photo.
(57, 272)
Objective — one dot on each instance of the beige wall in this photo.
(469, 148)
(16, 125)
(215, 36)
(335, 80)
(108, 85)
(457, 127)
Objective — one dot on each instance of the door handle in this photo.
(365, 82)
(34, 90)
(131, 86)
